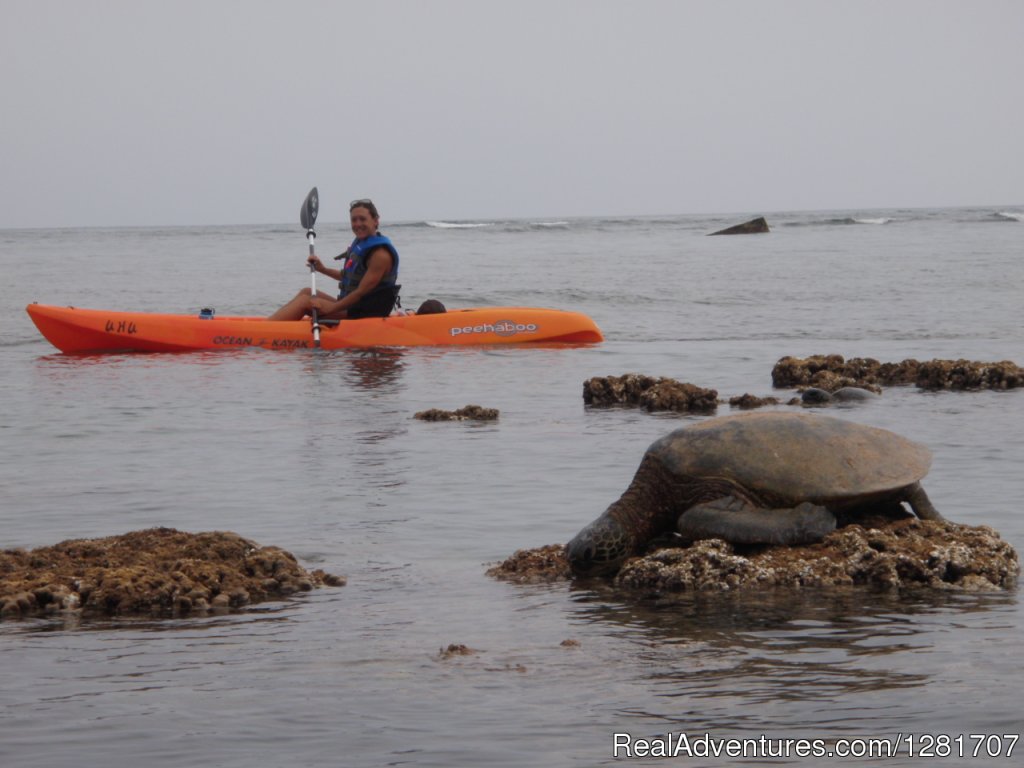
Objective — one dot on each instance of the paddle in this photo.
(307, 217)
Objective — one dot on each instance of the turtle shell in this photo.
(797, 457)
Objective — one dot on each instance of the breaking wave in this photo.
(459, 224)
(839, 221)
(513, 225)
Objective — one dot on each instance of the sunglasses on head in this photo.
(363, 203)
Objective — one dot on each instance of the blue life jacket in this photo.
(356, 258)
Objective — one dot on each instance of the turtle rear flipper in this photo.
(738, 522)
(921, 504)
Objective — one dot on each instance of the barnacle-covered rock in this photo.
(748, 401)
(900, 554)
(158, 571)
(653, 394)
(894, 554)
(468, 413)
(832, 372)
(530, 566)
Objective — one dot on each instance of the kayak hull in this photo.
(71, 329)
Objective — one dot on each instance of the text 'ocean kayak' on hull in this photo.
(71, 329)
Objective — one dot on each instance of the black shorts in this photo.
(377, 303)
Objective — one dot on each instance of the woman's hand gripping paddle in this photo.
(307, 217)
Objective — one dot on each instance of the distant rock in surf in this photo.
(752, 227)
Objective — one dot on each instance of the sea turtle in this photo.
(815, 396)
(764, 478)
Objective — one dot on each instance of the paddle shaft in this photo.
(307, 217)
(311, 236)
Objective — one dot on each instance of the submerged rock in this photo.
(894, 554)
(752, 227)
(470, 412)
(456, 649)
(158, 571)
(653, 394)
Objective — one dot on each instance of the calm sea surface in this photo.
(319, 453)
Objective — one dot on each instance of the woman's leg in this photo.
(299, 307)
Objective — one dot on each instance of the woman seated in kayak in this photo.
(367, 279)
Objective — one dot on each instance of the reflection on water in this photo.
(377, 368)
(769, 660)
(367, 368)
(704, 615)
(373, 368)
(206, 628)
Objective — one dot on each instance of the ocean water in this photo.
(319, 453)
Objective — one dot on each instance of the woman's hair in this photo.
(366, 203)
(431, 307)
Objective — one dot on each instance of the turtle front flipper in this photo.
(738, 522)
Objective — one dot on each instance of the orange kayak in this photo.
(96, 330)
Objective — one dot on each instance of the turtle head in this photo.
(600, 548)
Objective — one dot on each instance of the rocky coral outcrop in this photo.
(468, 413)
(158, 571)
(908, 553)
(653, 394)
(968, 375)
(456, 649)
(532, 566)
(896, 554)
(832, 372)
(748, 401)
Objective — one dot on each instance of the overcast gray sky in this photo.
(221, 112)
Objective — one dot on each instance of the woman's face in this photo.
(363, 222)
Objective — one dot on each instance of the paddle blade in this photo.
(307, 216)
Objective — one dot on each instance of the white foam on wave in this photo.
(459, 225)
(872, 221)
(1011, 215)
(549, 223)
